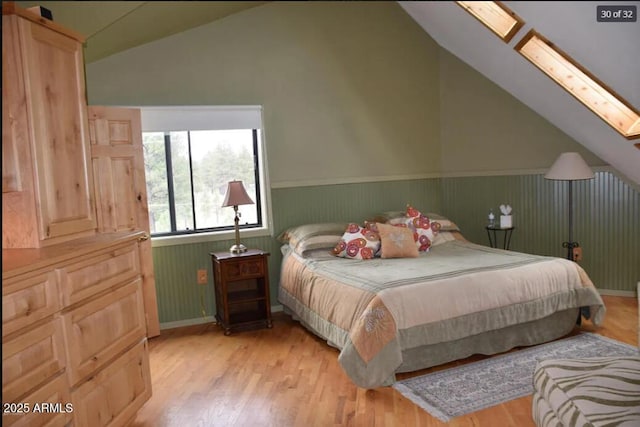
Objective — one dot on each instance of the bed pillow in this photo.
(386, 217)
(396, 241)
(445, 223)
(293, 235)
(443, 237)
(358, 242)
(308, 237)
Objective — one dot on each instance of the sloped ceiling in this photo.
(610, 51)
(113, 26)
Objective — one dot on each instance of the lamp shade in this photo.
(236, 195)
(570, 167)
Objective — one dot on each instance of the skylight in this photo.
(608, 105)
(495, 16)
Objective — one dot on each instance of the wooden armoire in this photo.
(78, 292)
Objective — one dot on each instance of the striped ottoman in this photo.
(602, 391)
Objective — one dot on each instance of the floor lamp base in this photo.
(570, 246)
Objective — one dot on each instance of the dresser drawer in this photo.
(113, 395)
(88, 277)
(54, 396)
(243, 269)
(31, 358)
(25, 301)
(99, 330)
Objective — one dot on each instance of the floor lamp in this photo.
(570, 167)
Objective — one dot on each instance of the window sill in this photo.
(216, 236)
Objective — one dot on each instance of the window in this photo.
(190, 154)
(580, 83)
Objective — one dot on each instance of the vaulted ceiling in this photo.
(113, 26)
(610, 51)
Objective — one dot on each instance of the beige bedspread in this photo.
(373, 310)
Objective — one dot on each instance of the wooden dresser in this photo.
(74, 324)
(73, 333)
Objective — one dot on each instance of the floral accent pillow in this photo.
(396, 241)
(358, 243)
(424, 230)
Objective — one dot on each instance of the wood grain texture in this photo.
(120, 187)
(285, 376)
(49, 198)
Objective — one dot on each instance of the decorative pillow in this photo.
(358, 242)
(396, 241)
(424, 231)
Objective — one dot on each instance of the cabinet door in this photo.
(120, 187)
(56, 102)
(113, 395)
(31, 358)
(99, 330)
(14, 116)
(49, 405)
(19, 220)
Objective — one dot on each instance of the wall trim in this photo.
(458, 174)
(187, 322)
(214, 236)
(352, 180)
(617, 293)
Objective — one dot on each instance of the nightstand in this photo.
(493, 242)
(241, 284)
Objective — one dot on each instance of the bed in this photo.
(392, 315)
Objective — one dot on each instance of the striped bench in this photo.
(602, 391)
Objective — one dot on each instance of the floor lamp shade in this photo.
(236, 195)
(570, 167)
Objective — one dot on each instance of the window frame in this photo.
(263, 197)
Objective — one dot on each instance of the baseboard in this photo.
(617, 293)
(201, 320)
(187, 322)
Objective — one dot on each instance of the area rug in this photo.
(468, 388)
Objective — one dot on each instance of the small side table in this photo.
(493, 241)
(241, 284)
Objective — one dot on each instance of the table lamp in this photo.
(237, 195)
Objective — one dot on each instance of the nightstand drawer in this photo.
(245, 269)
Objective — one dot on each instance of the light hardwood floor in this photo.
(285, 376)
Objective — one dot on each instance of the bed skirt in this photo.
(549, 328)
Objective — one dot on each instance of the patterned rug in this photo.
(478, 385)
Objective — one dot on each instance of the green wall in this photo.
(606, 224)
(485, 129)
(349, 89)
